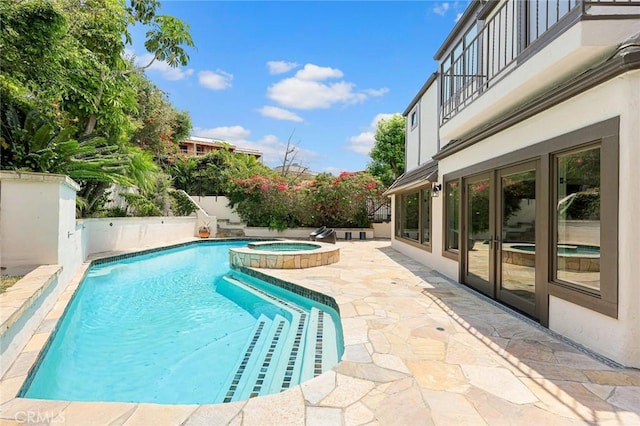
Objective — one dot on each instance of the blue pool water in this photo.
(279, 247)
(175, 327)
(567, 249)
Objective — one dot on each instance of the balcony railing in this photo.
(495, 45)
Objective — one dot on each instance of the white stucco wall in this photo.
(429, 123)
(615, 338)
(217, 206)
(421, 142)
(31, 210)
(126, 233)
(412, 141)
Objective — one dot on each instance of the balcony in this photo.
(496, 40)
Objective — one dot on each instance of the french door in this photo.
(499, 234)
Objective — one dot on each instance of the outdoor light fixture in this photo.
(435, 189)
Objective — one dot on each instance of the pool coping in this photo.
(324, 254)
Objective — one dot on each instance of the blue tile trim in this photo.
(294, 288)
(243, 365)
(267, 361)
(115, 258)
(317, 370)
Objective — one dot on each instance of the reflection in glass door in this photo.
(517, 234)
(500, 235)
(479, 228)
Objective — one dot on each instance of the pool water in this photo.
(576, 249)
(175, 327)
(280, 247)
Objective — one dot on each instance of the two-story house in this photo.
(522, 165)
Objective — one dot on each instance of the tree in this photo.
(159, 126)
(63, 61)
(387, 154)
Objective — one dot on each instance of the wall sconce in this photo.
(435, 189)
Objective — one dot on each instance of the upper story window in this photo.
(414, 118)
(486, 48)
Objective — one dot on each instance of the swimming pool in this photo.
(178, 327)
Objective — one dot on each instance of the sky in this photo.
(320, 73)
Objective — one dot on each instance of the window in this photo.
(452, 213)
(414, 118)
(577, 218)
(426, 217)
(398, 215)
(410, 216)
(413, 213)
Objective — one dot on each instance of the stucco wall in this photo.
(124, 233)
(429, 123)
(412, 141)
(421, 143)
(615, 338)
(217, 206)
(32, 206)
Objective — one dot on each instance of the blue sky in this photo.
(324, 71)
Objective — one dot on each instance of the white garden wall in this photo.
(217, 206)
(125, 233)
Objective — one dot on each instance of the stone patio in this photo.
(419, 350)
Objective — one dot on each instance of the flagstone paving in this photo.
(419, 350)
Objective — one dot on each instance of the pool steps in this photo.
(286, 340)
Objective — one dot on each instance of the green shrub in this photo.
(181, 204)
(332, 201)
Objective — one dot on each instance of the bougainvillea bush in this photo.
(341, 201)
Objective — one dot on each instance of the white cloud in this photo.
(218, 80)
(441, 8)
(306, 89)
(314, 72)
(162, 68)
(377, 92)
(363, 142)
(458, 16)
(271, 146)
(280, 67)
(279, 113)
(225, 133)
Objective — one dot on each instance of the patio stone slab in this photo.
(155, 414)
(420, 350)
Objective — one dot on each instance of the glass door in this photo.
(478, 232)
(499, 236)
(516, 231)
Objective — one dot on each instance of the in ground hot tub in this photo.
(284, 254)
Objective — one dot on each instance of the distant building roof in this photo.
(218, 143)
